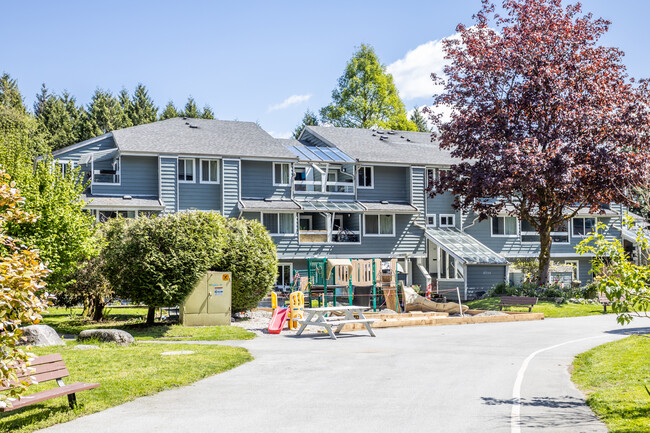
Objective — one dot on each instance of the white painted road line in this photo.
(515, 414)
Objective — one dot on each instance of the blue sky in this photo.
(259, 61)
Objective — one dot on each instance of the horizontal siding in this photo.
(168, 184)
(230, 181)
(391, 183)
(139, 176)
(103, 144)
(418, 193)
(483, 278)
(201, 196)
(257, 181)
(302, 196)
(409, 240)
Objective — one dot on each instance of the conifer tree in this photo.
(191, 109)
(143, 110)
(169, 112)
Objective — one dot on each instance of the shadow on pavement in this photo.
(564, 402)
(630, 331)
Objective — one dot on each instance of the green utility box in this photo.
(210, 303)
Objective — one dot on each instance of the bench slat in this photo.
(46, 359)
(48, 394)
(41, 377)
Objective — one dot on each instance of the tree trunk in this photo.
(151, 315)
(545, 242)
(98, 310)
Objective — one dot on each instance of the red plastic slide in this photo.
(278, 320)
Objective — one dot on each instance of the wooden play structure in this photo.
(364, 282)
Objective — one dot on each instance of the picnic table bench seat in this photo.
(518, 301)
(44, 369)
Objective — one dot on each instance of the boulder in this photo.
(40, 335)
(117, 336)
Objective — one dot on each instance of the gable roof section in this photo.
(180, 136)
(381, 146)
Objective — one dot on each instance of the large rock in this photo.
(117, 336)
(40, 335)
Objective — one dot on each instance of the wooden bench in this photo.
(602, 298)
(517, 301)
(44, 369)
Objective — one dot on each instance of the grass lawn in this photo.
(550, 309)
(132, 320)
(124, 373)
(613, 375)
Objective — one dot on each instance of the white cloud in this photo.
(275, 134)
(412, 74)
(291, 100)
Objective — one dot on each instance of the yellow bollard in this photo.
(296, 311)
(274, 300)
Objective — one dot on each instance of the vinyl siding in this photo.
(139, 177)
(417, 192)
(230, 181)
(201, 196)
(442, 204)
(408, 240)
(169, 184)
(257, 181)
(103, 144)
(481, 278)
(391, 183)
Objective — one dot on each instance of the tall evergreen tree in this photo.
(207, 113)
(41, 99)
(418, 119)
(366, 96)
(62, 119)
(10, 96)
(169, 112)
(191, 109)
(309, 119)
(105, 114)
(143, 110)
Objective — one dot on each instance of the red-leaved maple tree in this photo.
(546, 120)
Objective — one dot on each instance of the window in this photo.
(583, 226)
(559, 233)
(305, 222)
(280, 174)
(504, 226)
(106, 172)
(431, 177)
(431, 220)
(66, 167)
(284, 277)
(365, 177)
(301, 176)
(447, 220)
(379, 225)
(576, 268)
(105, 215)
(278, 223)
(450, 269)
(209, 171)
(185, 170)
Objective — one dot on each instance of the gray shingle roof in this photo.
(380, 146)
(205, 137)
(389, 207)
(116, 203)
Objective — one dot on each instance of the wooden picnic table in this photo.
(324, 317)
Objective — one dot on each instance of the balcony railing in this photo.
(315, 186)
(324, 237)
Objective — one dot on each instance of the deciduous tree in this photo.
(546, 119)
(366, 96)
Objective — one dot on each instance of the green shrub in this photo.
(250, 254)
(590, 291)
(157, 261)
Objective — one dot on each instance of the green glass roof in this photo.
(331, 206)
(463, 246)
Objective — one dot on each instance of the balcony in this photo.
(329, 228)
(324, 179)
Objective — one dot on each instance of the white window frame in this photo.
(307, 217)
(433, 177)
(379, 226)
(286, 287)
(504, 235)
(185, 170)
(201, 171)
(435, 220)
(573, 235)
(372, 177)
(447, 215)
(118, 173)
(576, 263)
(281, 170)
(293, 225)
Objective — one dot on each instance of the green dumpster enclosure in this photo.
(210, 303)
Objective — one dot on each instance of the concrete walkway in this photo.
(500, 377)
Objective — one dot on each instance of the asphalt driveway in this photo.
(500, 377)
